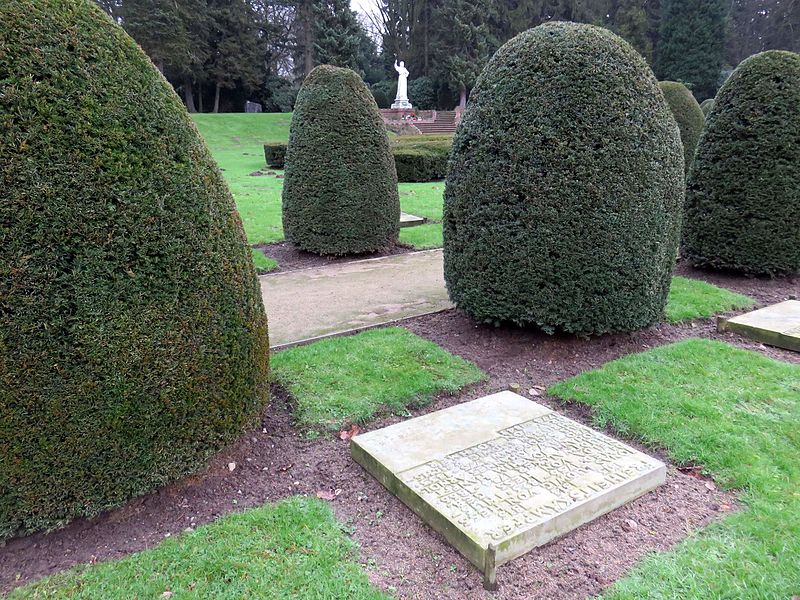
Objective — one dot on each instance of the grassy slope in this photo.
(293, 549)
(237, 144)
(736, 413)
(350, 379)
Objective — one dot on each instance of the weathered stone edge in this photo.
(759, 334)
(468, 547)
(580, 514)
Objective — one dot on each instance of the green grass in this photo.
(350, 379)
(263, 263)
(692, 299)
(737, 413)
(237, 143)
(293, 549)
(422, 237)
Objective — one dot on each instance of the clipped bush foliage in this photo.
(133, 340)
(687, 113)
(706, 106)
(275, 154)
(340, 191)
(421, 157)
(565, 186)
(743, 192)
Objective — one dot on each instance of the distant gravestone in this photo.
(501, 475)
(776, 325)
(252, 107)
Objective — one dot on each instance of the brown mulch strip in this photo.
(275, 461)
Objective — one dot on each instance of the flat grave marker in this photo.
(501, 475)
(776, 325)
(409, 220)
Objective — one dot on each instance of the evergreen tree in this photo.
(692, 44)
(632, 22)
(235, 57)
(466, 41)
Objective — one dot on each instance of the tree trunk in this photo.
(200, 97)
(188, 95)
(462, 101)
(216, 99)
(307, 19)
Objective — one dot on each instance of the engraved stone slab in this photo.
(505, 473)
(777, 325)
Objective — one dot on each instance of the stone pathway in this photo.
(321, 301)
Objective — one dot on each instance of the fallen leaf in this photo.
(231, 466)
(329, 495)
(629, 524)
(534, 392)
(711, 486)
(167, 594)
(347, 434)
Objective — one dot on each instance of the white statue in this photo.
(401, 100)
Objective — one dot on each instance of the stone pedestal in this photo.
(501, 475)
(402, 104)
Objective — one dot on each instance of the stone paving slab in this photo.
(409, 220)
(321, 301)
(501, 475)
(776, 325)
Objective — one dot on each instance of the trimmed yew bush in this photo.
(275, 154)
(706, 106)
(743, 196)
(340, 190)
(421, 157)
(133, 340)
(565, 187)
(687, 113)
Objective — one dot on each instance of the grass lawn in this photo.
(693, 299)
(237, 142)
(350, 379)
(263, 264)
(293, 549)
(737, 413)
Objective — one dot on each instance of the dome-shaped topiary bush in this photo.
(687, 113)
(743, 192)
(565, 186)
(706, 106)
(133, 340)
(340, 187)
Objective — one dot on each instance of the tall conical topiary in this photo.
(743, 192)
(706, 106)
(687, 113)
(340, 190)
(133, 340)
(565, 189)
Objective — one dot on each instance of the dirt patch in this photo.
(764, 289)
(291, 259)
(400, 552)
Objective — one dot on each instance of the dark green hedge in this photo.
(743, 196)
(275, 154)
(133, 341)
(340, 191)
(565, 187)
(421, 157)
(706, 106)
(687, 113)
